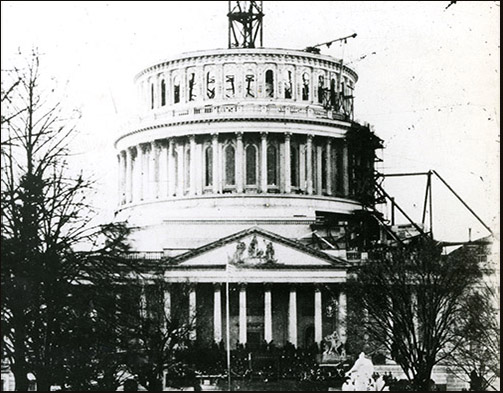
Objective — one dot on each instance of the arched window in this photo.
(208, 166)
(250, 84)
(288, 84)
(230, 88)
(305, 86)
(269, 83)
(163, 93)
(191, 86)
(210, 85)
(333, 99)
(230, 166)
(294, 166)
(251, 165)
(176, 90)
(321, 88)
(186, 180)
(151, 96)
(272, 166)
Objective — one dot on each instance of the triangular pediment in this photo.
(257, 248)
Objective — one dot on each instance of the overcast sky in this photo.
(428, 80)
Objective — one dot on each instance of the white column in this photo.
(214, 149)
(119, 178)
(242, 314)
(136, 183)
(239, 162)
(129, 175)
(319, 172)
(318, 335)
(263, 155)
(309, 164)
(199, 168)
(167, 309)
(288, 177)
(171, 169)
(342, 316)
(163, 170)
(217, 313)
(192, 313)
(141, 177)
(329, 167)
(345, 170)
(181, 159)
(143, 302)
(267, 314)
(154, 151)
(302, 167)
(192, 164)
(292, 316)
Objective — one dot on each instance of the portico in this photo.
(278, 290)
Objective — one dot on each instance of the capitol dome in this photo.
(232, 138)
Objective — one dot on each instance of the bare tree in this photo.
(416, 300)
(44, 213)
(156, 334)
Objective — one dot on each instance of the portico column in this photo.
(292, 316)
(345, 170)
(171, 169)
(342, 315)
(167, 307)
(309, 164)
(192, 163)
(242, 314)
(239, 162)
(267, 314)
(214, 153)
(129, 175)
(217, 313)
(329, 167)
(263, 171)
(288, 176)
(318, 335)
(192, 312)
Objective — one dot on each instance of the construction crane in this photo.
(315, 48)
(245, 24)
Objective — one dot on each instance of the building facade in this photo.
(243, 166)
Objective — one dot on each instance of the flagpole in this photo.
(227, 324)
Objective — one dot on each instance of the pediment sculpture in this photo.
(253, 253)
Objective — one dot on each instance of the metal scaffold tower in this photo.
(245, 24)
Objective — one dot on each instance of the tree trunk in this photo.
(43, 382)
(20, 371)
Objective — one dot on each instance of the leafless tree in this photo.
(416, 300)
(45, 213)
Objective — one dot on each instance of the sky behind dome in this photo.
(429, 76)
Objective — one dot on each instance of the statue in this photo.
(238, 254)
(333, 345)
(359, 377)
(269, 253)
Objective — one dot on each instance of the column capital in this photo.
(310, 137)
(263, 134)
(329, 141)
(217, 285)
(242, 285)
(214, 134)
(239, 134)
(288, 134)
